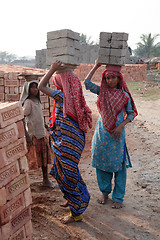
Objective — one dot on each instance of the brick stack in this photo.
(15, 193)
(112, 48)
(131, 72)
(63, 45)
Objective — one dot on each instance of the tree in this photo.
(147, 48)
(85, 40)
(6, 57)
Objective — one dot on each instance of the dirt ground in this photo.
(139, 219)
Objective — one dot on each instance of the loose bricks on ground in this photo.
(15, 193)
(63, 45)
(112, 48)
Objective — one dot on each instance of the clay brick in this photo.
(13, 229)
(23, 164)
(44, 99)
(104, 51)
(21, 219)
(2, 96)
(19, 235)
(118, 52)
(3, 196)
(1, 81)
(28, 229)
(9, 83)
(20, 127)
(103, 59)
(57, 51)
(73, 60)
(118, 44)
(6, 231)
(8, 135)
(12, 152)
(12, 97)
(8, 173)
(18, 185)
(119, 36)
(45, 113)
(63, 33)
(27, 197)
(11, 209)
(10, 113)
(117, 60)
(1, 89)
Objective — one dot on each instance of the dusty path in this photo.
(140, 217)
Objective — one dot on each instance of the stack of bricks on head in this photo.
(15, 193)
(112, 48)
(63, 45)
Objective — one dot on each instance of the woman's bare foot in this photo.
(64, 204)
(47, 183)
(102, 199)
(117, 205)
(69, 219)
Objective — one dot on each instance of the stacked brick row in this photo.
(15, 193)
(63, 45)
(112, 48)
(11, 85)
(131, 72)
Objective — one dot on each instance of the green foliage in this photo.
(6, 57)
(147, 47)
(85, 40)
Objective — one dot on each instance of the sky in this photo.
(24, 23)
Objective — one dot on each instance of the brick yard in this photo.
(21, 192)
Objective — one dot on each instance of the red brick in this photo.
(11, 209)
(6, 90)
(11, 90)
(27, 197)
(23, 164)
(3, 196)
(44, 98)
(12, 97)
(13, 152)
(1, 89)
(45, 113)
(1, 96)
(17, 186)
(21, 219)
(20, 127)
(14, 83)
(28, 229)
(10, 113)
(8, 135)
(6, 231)
(8, 173)
(19, 235)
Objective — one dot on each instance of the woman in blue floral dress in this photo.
(109, 152)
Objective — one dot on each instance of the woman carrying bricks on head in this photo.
(109, 151)
(35, 128)
(68, 125)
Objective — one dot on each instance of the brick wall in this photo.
(15, 193)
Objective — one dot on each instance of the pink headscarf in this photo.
(111, 101)
(74, 104)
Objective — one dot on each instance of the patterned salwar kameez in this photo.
(110, 155)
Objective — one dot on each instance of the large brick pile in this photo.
(15, 193)
(131, 72)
